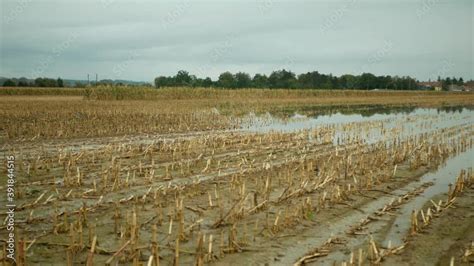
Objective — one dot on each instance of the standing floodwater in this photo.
(440, 180)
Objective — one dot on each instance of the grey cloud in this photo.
(144, 39)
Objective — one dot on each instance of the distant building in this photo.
(454, 87)
(430, 85)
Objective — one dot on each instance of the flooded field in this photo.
(307, 186)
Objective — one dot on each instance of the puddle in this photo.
(441, 178)
(267, 122)
(371, 128)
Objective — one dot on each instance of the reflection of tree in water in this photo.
(454, 109)
(365, 110)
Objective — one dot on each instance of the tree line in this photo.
(289, 80)
(49, 82)
(38, 82)
(277, 79)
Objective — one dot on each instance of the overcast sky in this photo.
(139, 40)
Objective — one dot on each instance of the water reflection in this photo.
(306, 119)
(364, 110)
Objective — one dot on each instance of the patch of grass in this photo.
(310, 215)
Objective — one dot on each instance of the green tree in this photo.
(287, 80)
(368, 81)
(183, 78)
(242, 80)
(282, 79)
(327, 85)
(45, 82)
(163, 81)
(9, 83)
(455, 81)
(348, 82)
(39, 82)
(226, 80)
(260, 81)
(60, 82)
(306, 81)
(23, 82)
(445, 83)
(207, 82)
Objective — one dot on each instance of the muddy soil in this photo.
(239, 198)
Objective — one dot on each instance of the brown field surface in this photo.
(144, 110)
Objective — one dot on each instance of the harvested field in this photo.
(146, 111)
(285, 180)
